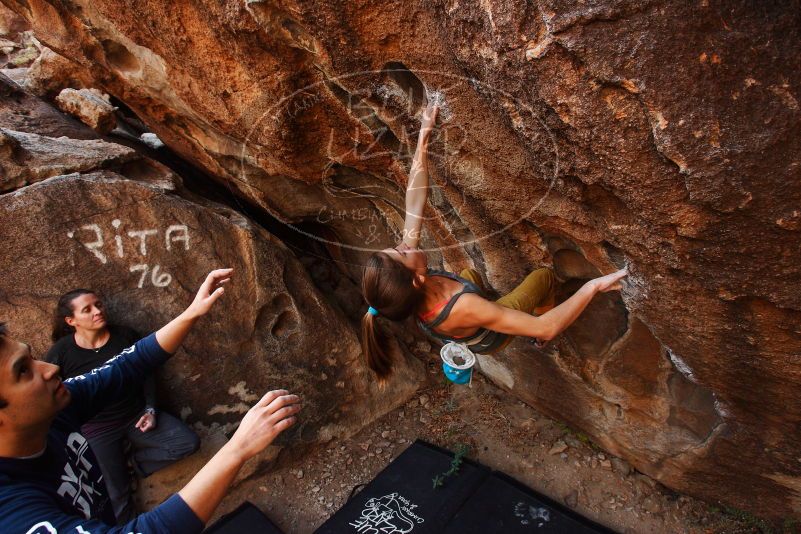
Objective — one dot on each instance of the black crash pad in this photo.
(402, 497)
(504, 506)
(246, 519)
(402, 500)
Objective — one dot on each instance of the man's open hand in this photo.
(273, 414)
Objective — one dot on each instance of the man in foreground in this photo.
(50, 482)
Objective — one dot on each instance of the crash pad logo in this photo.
(390, 514)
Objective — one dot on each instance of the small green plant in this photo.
(581, 436)
(584, 438)
(456, 464)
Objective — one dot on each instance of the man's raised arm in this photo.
(171, 335)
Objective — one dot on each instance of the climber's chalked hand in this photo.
(610, 282)
(429, 118)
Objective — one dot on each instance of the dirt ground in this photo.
(500, 431)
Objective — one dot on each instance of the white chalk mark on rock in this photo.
(241, 391)
(142, 235)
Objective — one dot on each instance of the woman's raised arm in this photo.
(417, 188)
(476, 311)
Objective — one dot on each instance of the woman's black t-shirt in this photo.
(75, 360)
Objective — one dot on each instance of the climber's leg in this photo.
(536, 292)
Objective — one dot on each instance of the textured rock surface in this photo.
(90, 106)
(26, 158)
(11, 23)
(585, 135)
(24, 112)
(50, 73)
(18, 47)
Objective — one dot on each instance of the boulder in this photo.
(11, 23)
(91, 106)
(27, 158)
(18, 47)
(587, 136)
(22, 111)
(50, 73)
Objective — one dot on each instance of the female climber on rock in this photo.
(397, 283)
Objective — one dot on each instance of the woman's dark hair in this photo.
(388, 287)
(64, 309)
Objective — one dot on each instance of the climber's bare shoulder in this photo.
(474, 311)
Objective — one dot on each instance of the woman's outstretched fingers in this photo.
(210, 291)
(215, 277)
(611, 282)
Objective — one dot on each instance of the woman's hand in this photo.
(209, 292)
(610, 282)
(273, 414)
(428, 120)
(146, 422)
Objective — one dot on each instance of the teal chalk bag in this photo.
(457, 362)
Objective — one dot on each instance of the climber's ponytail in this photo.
(389, 289)
(373, 339)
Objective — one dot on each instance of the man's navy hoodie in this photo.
(61, 491)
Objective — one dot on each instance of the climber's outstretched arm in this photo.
(476, 311)
(417, 188)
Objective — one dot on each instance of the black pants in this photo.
(155, 449)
